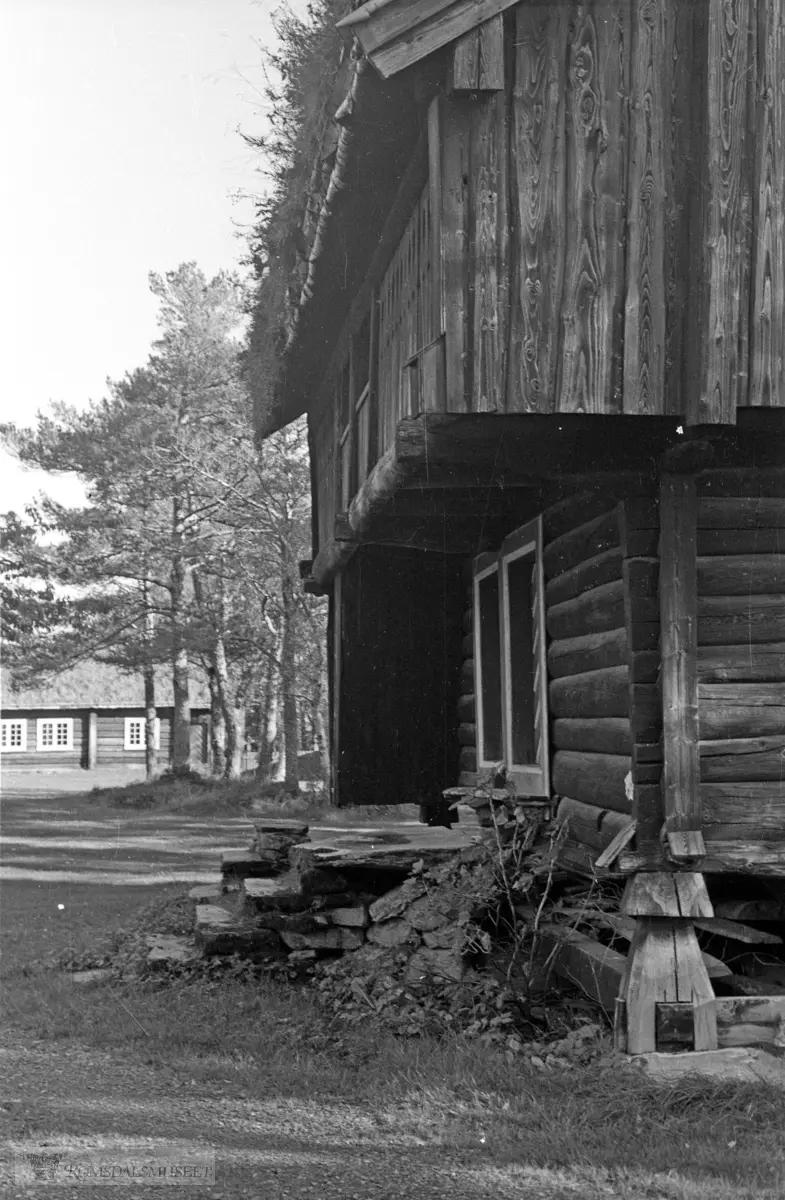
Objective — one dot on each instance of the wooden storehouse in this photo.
(541, 348)
(89, 716)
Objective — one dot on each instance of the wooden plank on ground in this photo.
(595, 969)
(741, 1021)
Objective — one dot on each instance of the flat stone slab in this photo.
(392, 904)
(206, 893)
(353, 918)
(92, 978)
(217, 931)
(284, 893)
(289, 828)
(245, 864)
(434, 964)
(362, 853)
(166, 950)
(395, 932)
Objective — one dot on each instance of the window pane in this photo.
(490, 669)
(520, 582)
(62, 733)
(16, 734)
(47, 734)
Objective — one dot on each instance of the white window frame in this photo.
(40, 725)
(7, 724)
(484, 566)
(141, 745)
(528, 779)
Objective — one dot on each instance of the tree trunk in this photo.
(291, 774)
(268, 724)
(217, 727)
(181, 718)
(151, 754)
(233, 765)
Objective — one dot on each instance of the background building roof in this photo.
(94, 684)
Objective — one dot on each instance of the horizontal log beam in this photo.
(595, 969)
(596, 779)
(741, 1021)
(594, 827)
(593, 572)
(740, 575)
(600, 735)
(742, 663)
(590, 652)
(741, 512)
(742, 759)
(728, 620)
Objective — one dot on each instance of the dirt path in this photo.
(274, 1148)
(58, 859)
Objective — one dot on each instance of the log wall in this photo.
(603, 626)
(110, 728)
(741, 663)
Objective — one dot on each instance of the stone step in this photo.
(206, 893)
(247, 864)
(284, 894)
(284, 826)
(219, 932)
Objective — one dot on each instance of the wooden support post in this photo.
(665, 963)
(679, 642)
(92, 740)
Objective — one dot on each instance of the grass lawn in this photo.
(606, 1126)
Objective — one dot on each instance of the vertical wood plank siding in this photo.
(728, 213)
(767, 317)
(538, 171)
(591, 363)
(406, 316)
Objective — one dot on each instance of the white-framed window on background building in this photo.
(54, 733)
(135, 738)
(13, 735)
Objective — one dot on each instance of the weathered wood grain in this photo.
(602, 568)
(591, 652)
(737, 931)
(750, 758)
(683, 196)
(745, 664)
(678, 603)
(740, 574)
(539, 171)
(599, 735)
(595, 827)
(490, 71)
(595, 611)
(741, 710)
(728, 205)
(489, 252)
(455, 247)
(595, 969)
(596, 779)
(582, 541)
(594, 694)
(645, 308)
(591, 362)
(742, 481)
(730, 620)
(759, 807)
(741, 512)
(767, 317)
(466, 62)
(741, 541)
(741, 1021)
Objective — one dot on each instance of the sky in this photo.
(120, 156)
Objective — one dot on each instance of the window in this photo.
(55, 733)
(509, 628)
(135, 738)
(13, 737)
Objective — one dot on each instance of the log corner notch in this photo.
(679, 642)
